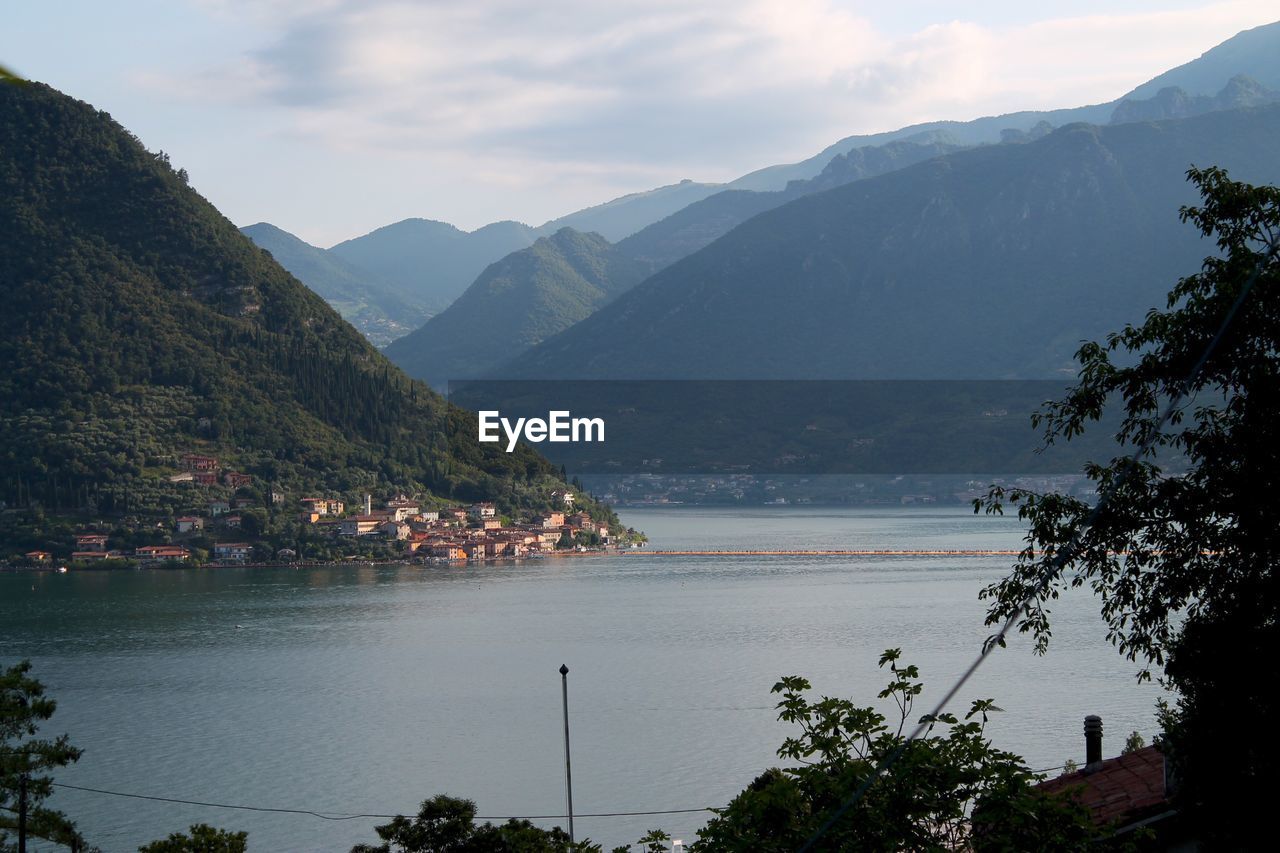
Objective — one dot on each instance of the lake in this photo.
(367, 689)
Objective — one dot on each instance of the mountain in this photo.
(140, 325)
(516, 303)
(434, 262)
(1254, 53)
(1176, 102)
(992, 262)
(372, 306)
(684, 232)
(431, 262)
(626, 215)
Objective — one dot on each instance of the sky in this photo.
(330, 118)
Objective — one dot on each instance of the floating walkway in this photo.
(834, 552)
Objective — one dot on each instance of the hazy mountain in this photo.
(430, 262)
(140, 324)
(372, 306)
(684, 232)
(623, 216)
(990, 262)
(1254, 53)
(517, 302)
(433, 262)
(1174, 102)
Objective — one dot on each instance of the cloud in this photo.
(532, 94)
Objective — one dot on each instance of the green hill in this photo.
(988, 263)
(516, 303)
(140, 325)
(372, 306)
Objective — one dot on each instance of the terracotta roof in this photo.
(1119, 790)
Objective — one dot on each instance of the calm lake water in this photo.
(366, 690)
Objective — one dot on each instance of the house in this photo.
(394, 529)
(277, 498)
(474, 550)
(39, 556)
(205, 478)
(153, 554)
(1123, 793)
(286, 555)
(562, 496)
(323, 506)
(448, 551)
(310, 517)
(196, 462)
(456, 513)
(233, 552)
(91, 541)
(359, 525)
(217, 508)
(483, 510)
(403, 506)
(236, 480)
(552, 519)
(231, 522)
(189, 523)
(490, 524)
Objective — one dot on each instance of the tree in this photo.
(1184, 549)
(947, 790)
(447, 825)
(25, 760)
(203, 839)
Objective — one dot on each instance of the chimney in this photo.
(1092, 740)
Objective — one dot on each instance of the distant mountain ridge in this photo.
(993, 262)
(432, 262)
(516, 303)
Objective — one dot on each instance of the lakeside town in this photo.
(226, 531)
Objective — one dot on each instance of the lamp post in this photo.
(568, 773)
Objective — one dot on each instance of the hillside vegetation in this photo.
(140, 324)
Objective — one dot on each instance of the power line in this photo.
(1061, 558)
(337, 816)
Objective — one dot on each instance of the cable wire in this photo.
(344, 816)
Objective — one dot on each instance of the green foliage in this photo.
(23, 708)
(139, 325)
(1133, 743)
(446, 824)
(1185, 563)
(202, 838)
(949, 789)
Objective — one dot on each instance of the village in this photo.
(402, 526)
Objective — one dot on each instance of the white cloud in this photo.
(535, 94)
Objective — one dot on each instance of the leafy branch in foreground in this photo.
(950, 789)
(1184, 564)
